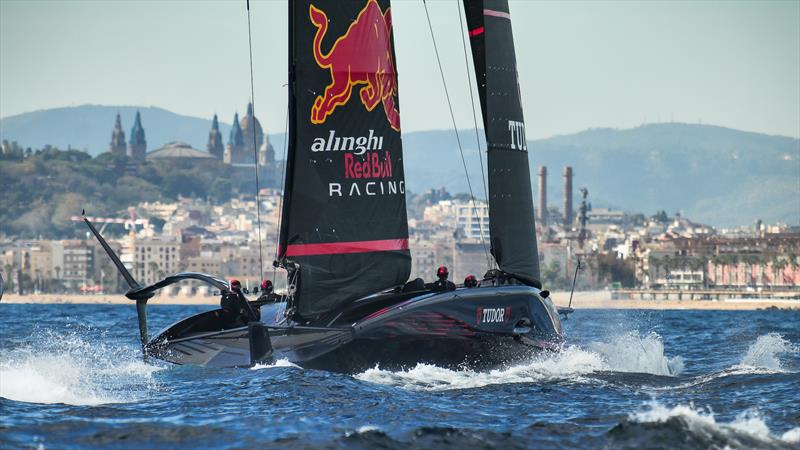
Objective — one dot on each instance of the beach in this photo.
(581, 299)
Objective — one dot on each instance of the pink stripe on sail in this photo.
(493, 13)
(336, 248)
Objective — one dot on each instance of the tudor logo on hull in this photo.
(493, 315)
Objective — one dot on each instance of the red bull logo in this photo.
(362, 57)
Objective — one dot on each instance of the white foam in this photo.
(623, 353)
(362, 430)
(632, 352)
(571, 362)
(749, 422)
(67, 369)
(792, 436)
(765, 352)
(277, 363)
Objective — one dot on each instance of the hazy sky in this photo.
(581, 64)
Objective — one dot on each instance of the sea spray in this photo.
(766, 351)
(569, 363)
(627, 352)
(73, 369)
(632, 352)
(748, 429)
(283, 362)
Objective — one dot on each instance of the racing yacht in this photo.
(343, 230)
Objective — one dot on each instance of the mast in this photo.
(511, 218)
(344, 230)
(291, 140)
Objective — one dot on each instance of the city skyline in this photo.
(581, 65)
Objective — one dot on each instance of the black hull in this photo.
(466, 328)
(475, 353)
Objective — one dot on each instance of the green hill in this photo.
(41, 192)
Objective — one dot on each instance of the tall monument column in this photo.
(567, 197)
(541, 203)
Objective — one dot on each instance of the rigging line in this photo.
(283, 179)
(474, 116)
(255, 146)
(458, 138)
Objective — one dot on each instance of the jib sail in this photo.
(511, 220)
(344, 215)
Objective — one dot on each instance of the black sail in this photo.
(344, 217)
(511, 220)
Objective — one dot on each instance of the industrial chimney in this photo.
(541, 204)
(567, 197)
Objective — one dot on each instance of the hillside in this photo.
(712, 174)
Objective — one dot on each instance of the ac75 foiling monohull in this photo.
(344, 233)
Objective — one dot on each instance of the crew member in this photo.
(470, 281)
(235, 307)
(266, 291)
(443, 284)
(228, 302)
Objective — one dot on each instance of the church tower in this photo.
(215, 147)
(117, 145)
(235, 149)
(252, 133)
(137, 147)
(266, 154)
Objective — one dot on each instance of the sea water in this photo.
(71, 376)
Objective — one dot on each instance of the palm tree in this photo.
(668, 265)
(749, 261)
(655, 263)
(10, 275)
(779, 265)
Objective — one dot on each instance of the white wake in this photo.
(628, 352)
(67, 369)
(277, 363)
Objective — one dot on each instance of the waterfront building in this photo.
(473, 220)
(469, 258)
(76, 260)
(441, 213)
(154, 258)
(423, 258)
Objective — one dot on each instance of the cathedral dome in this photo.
(245, 125)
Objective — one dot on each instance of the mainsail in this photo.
(511, 220)
(344, 212)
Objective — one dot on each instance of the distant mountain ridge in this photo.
(712, 174)
(88, 127)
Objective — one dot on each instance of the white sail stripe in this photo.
(493, 13)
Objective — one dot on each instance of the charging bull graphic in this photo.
(363, 56)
